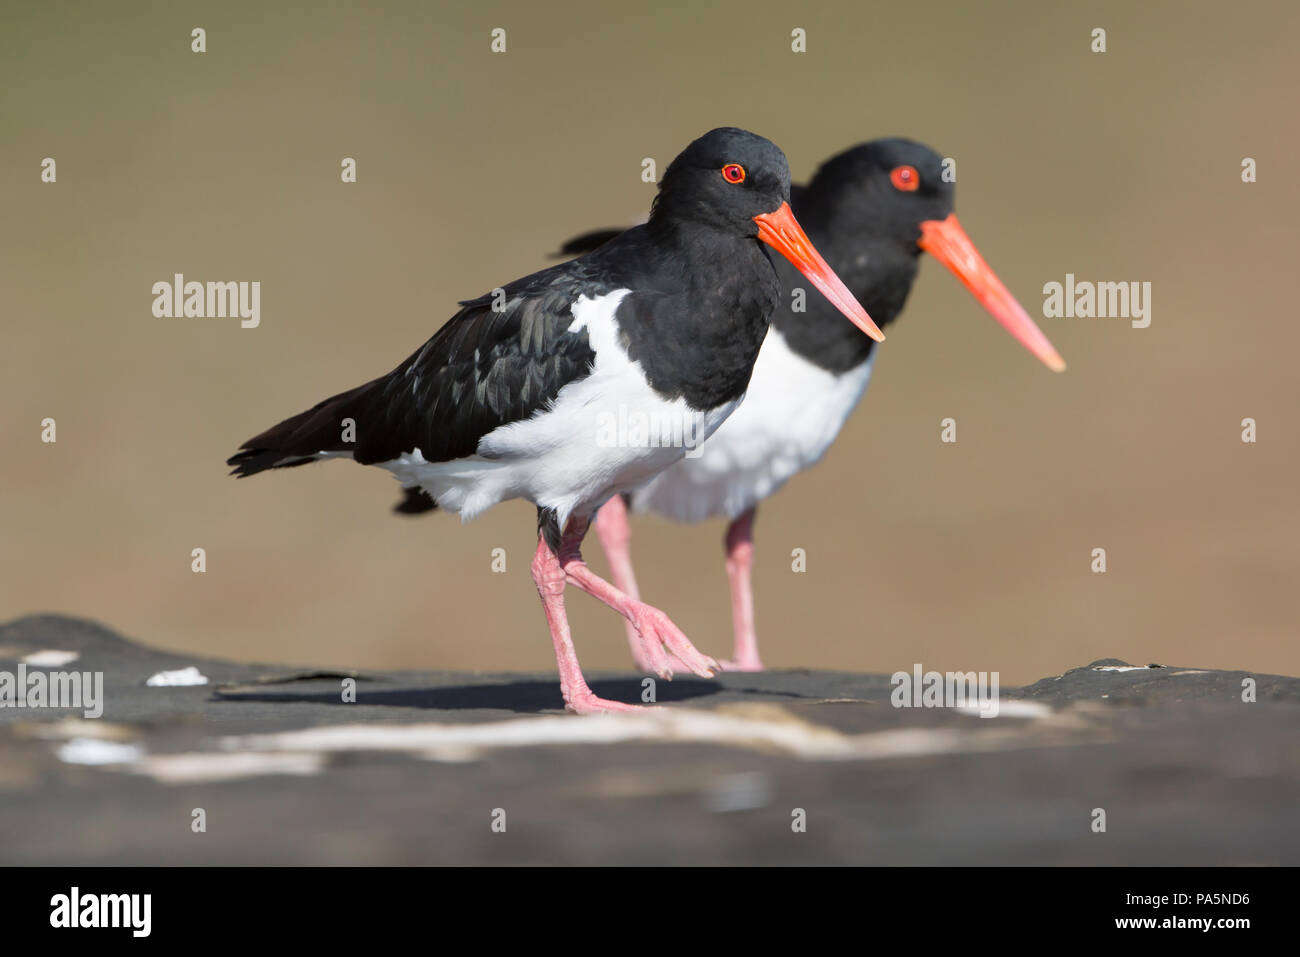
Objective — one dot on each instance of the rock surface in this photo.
(427, 767)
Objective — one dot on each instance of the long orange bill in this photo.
(947, 242)
(782, 232)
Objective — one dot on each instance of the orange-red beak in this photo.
(947, 242)
(782, 232)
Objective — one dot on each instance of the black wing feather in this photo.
(502, 358)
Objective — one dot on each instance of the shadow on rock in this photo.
(519, 696)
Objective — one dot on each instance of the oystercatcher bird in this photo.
(522, 394)
(872, 210)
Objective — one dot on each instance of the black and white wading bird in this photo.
(515, 396)
(872, 210)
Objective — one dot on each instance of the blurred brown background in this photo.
(472, 166)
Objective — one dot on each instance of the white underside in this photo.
(573, 455)
(792, 413)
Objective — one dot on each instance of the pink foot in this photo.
(654, 636)
(675, 665)
(662, 644)
(679, 665)
(587, 703)
(743, 663)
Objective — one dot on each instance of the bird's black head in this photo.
(883, 189)
(734, 183)
(890, 199)
(723, 180)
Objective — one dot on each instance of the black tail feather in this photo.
(301, 438)
(252, 461)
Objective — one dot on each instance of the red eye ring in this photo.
(733, 173)
(905, 178)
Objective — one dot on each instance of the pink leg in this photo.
(740, 560)
(614, 534)
(550, 580)
(657, 635)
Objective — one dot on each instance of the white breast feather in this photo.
(792, 413)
